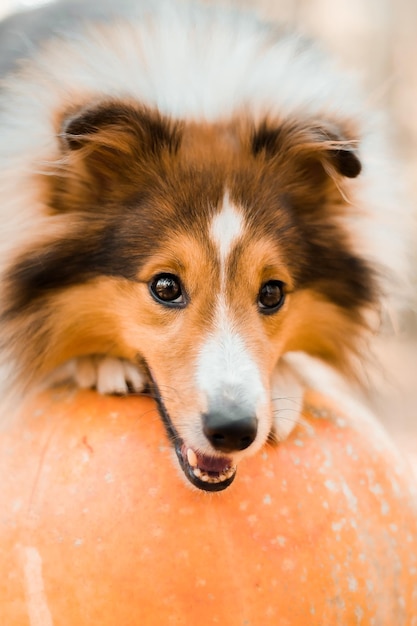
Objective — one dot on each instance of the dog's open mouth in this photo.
(205, 472)
(209, 473)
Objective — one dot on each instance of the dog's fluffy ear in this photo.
(109, 147)
(119, 127)
(308, 145)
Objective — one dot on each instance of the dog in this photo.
(191, 199)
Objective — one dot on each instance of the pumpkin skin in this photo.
(99, 526)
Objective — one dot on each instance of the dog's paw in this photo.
(108, 375)
(295, 373)
(287, 400)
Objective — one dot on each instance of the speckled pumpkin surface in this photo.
(98, 527)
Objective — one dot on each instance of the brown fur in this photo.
(138, 192)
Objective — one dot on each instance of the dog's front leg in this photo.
(107, 374)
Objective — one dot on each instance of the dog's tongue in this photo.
(213, 464)
(208, 463)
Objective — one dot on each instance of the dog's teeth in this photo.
(191, 457)
(207, 477)
(222, 477)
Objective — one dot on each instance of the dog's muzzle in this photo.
(227, 430)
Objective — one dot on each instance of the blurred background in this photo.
(377, 39)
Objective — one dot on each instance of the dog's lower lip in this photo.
(205, 479)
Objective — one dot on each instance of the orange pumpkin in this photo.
(99, 527)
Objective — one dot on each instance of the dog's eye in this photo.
(271, 297)
(166, 289)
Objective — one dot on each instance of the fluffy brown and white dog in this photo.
(188, 197)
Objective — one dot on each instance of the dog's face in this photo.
(203, 252)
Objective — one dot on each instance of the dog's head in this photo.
(203, 252)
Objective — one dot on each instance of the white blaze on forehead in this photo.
(225, 368)
(226, 228)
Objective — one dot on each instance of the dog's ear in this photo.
(118, 126)
(109, 147)
(312, 147)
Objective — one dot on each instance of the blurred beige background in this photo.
(378, 40)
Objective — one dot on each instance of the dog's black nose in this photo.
(228, 430)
